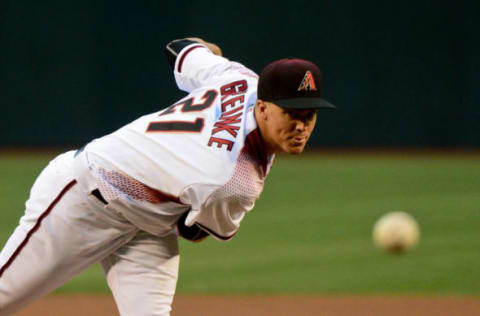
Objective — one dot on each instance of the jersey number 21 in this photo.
(186, 106)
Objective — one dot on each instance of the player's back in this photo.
(197, 139)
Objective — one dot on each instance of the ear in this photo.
(261, 107)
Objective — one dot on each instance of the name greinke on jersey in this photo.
(227, 125)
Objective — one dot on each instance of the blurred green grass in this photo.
(310, 232)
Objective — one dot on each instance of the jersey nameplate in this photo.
(233, 101)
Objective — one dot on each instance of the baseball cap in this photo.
(292, 83)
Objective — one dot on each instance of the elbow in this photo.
(174, 48)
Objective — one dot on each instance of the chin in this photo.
(295, 150)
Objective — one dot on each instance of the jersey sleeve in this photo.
(219, 209)
(219, 214)
(196, 66)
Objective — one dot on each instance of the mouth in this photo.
(298, 137)
(298, 140)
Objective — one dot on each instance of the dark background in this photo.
(402, 74)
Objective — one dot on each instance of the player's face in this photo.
(288, 130)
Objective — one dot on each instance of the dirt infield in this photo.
(100, 305)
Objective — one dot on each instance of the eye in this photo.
(290, 114)
(298, 115)
(311, 115)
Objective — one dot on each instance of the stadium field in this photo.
(310, 233)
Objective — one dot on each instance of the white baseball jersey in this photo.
(203, 153)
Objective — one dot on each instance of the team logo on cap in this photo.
(307, 84)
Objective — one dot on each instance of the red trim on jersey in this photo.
(211, 232)
(135, 189)
(36, 226)
(180, 62)
(164, 197)
(255, 146)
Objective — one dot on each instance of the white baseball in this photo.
(396, 232)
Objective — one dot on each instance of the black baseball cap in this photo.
(292, 83)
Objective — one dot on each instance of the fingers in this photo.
(211, 46)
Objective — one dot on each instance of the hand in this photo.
(192, 233)
(211, 46)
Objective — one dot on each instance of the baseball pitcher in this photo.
(193, 169)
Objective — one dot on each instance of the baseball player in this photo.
(193, 169)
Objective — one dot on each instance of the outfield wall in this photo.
(402, 74)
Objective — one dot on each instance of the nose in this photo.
(299, 125)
